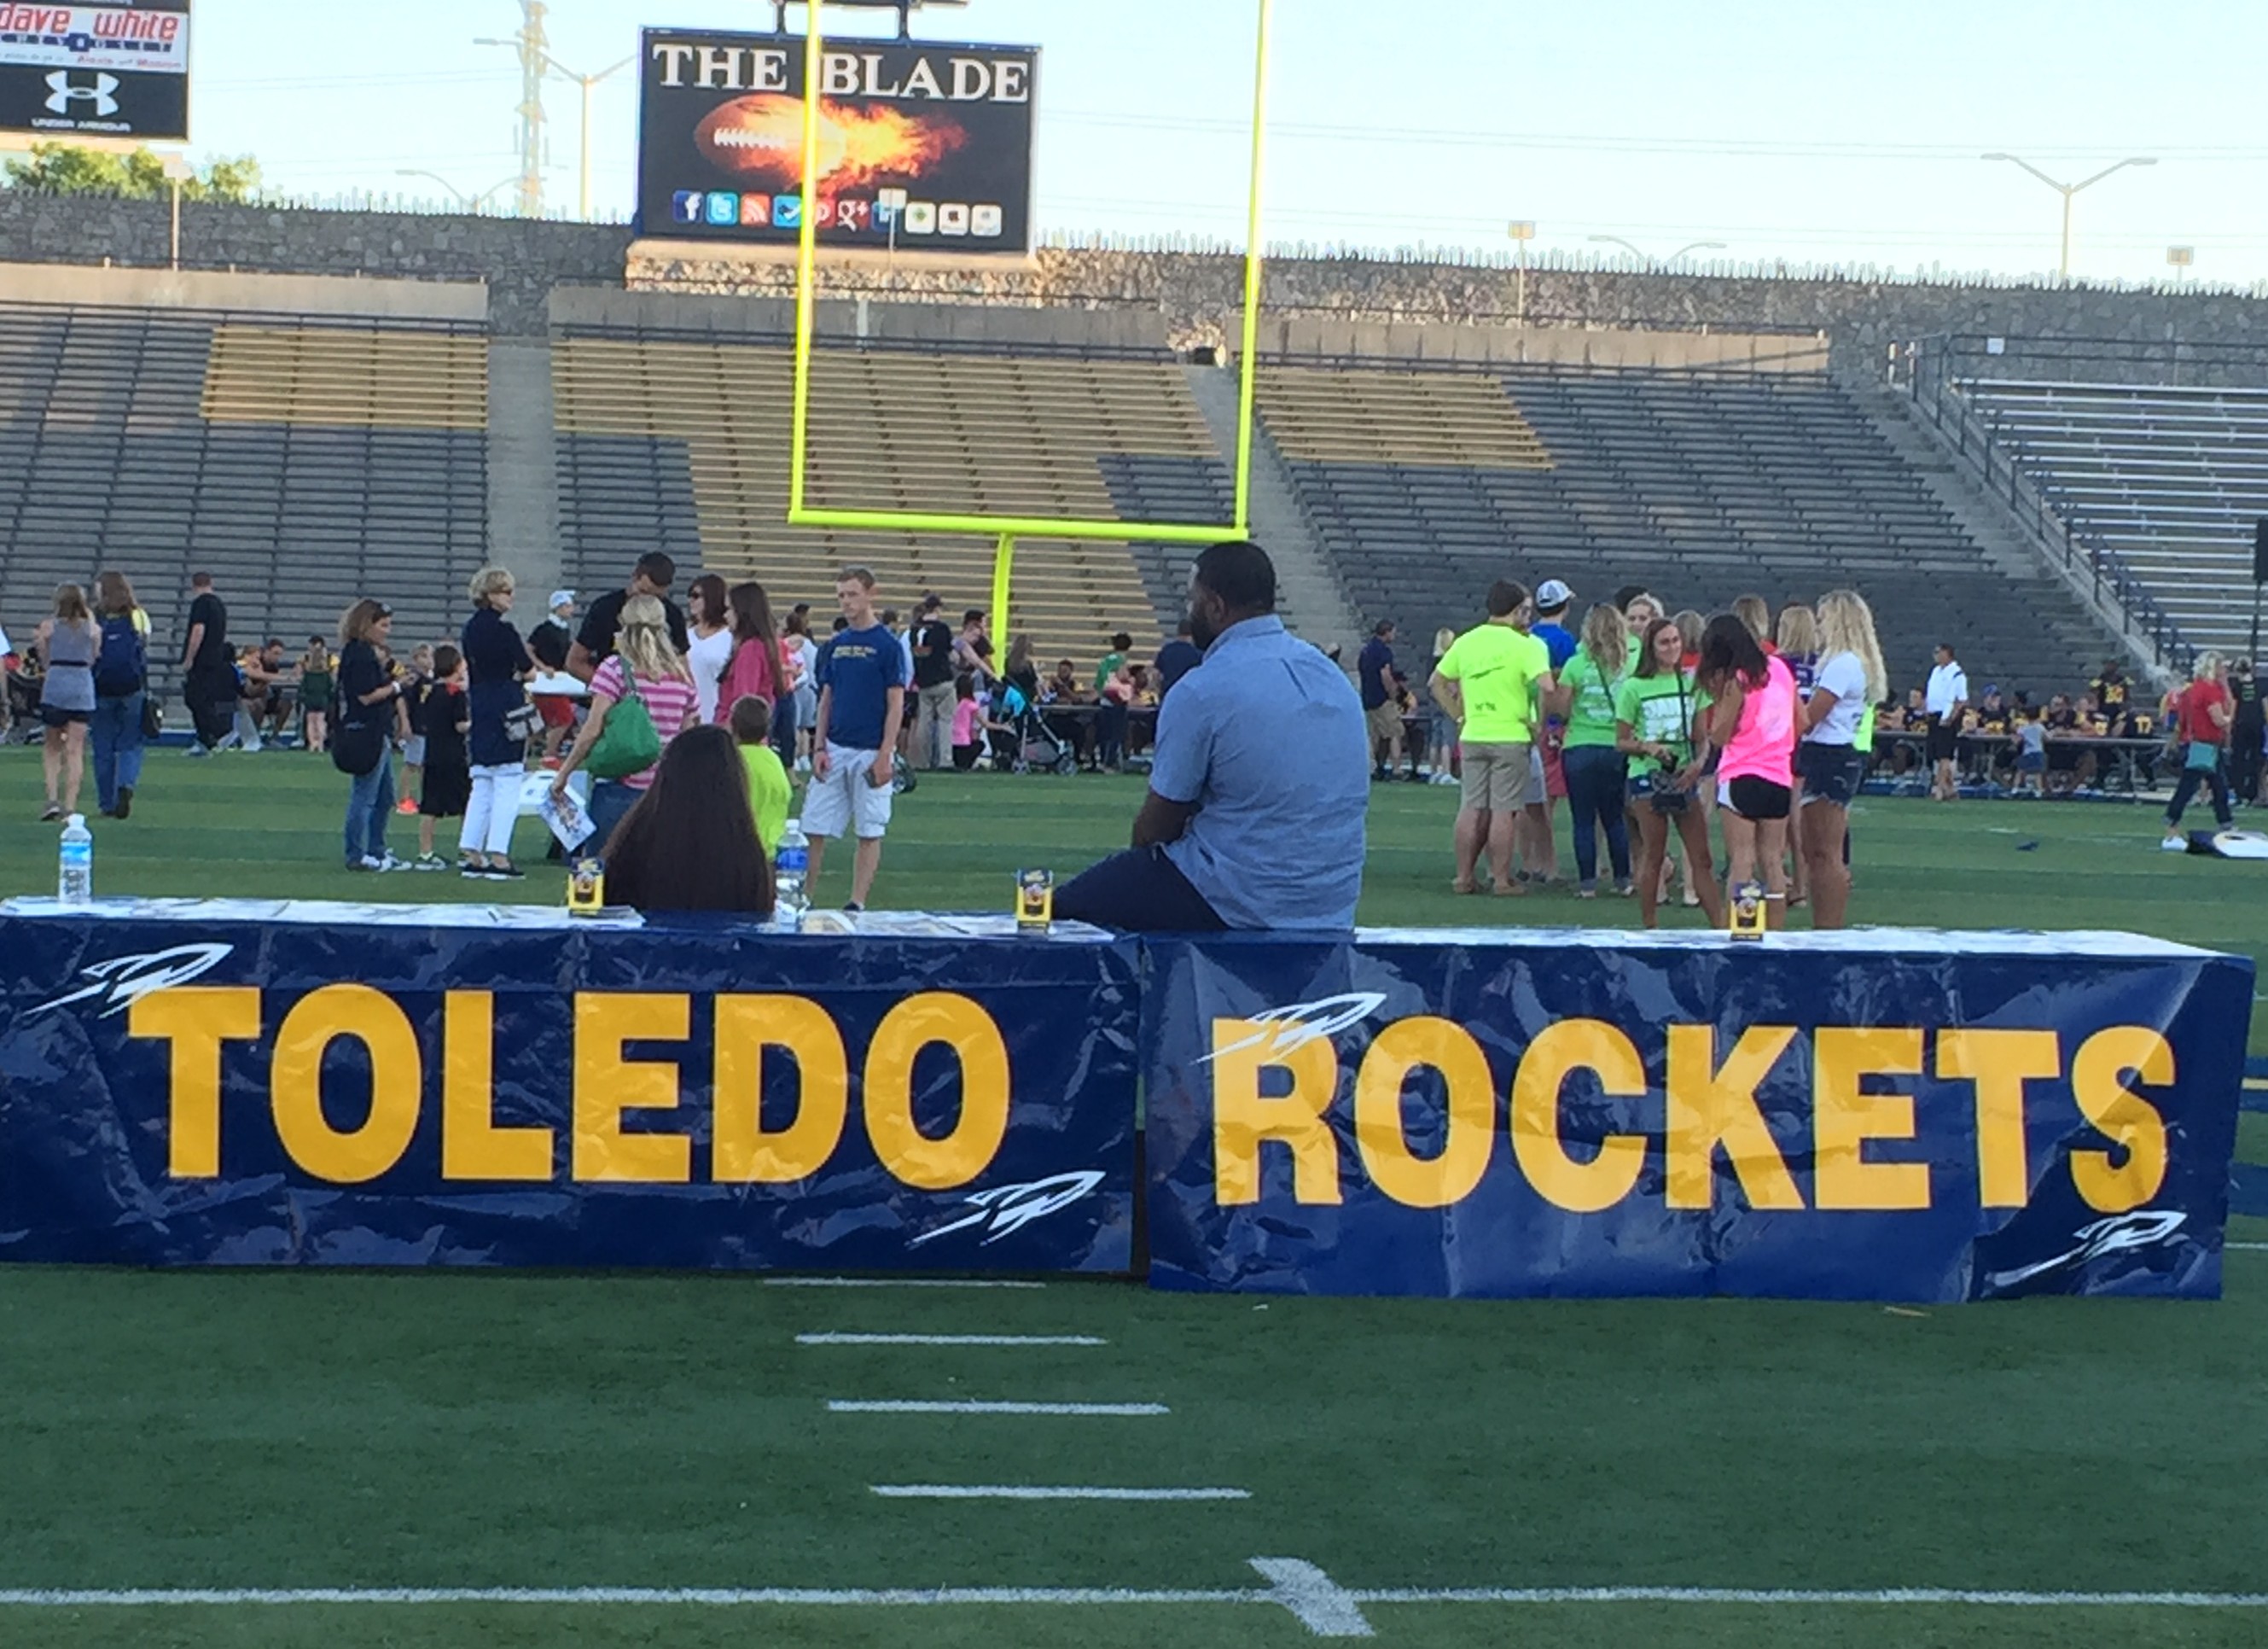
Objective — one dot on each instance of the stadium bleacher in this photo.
(656, 434)
(304, 462)
(1702, 485)
(2170, 480)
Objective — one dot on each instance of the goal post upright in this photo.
(1006, 529)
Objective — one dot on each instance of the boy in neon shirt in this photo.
(768, 791)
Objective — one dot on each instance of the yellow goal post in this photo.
(1006, 529)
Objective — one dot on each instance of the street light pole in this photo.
(1523, 231)
(2063, 266)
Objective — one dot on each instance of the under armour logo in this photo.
(65, 94)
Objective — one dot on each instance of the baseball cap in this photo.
(561, 598)
(1552, 593)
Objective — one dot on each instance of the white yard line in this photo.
(853, 1282)
(1036, 1491)
(1316, 1602)
(840, 1405)
(2249, 1247)
(948, 1339)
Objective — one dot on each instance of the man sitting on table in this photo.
(1255, 815)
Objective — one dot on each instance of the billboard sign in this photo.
(114, 71)
(922, 146)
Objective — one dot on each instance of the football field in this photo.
(252, 1457)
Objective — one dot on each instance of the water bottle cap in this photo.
(78, 819)
(795, 823)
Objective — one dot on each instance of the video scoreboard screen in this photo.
(925, 147)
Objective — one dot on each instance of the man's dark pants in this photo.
(1141, 891)
(212, 698)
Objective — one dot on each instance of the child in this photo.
(2031, 736)
(413, 704)
(967, 723)
(446, 714)
(315, 694)
(751, 721)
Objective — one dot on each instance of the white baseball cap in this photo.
(1552, 593)
(561, 598)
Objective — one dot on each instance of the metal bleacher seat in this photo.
(925, 430)
(303, 461)
(1425, 485)
(2171, 480)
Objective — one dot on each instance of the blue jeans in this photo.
(369, 805)
(611, 801)
(1597, 777)
(116, 735)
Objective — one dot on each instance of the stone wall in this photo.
(1197, 294)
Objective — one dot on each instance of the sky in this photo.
(1847, 133)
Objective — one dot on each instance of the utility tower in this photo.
(534, 54)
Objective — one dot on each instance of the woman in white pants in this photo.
(496, 662)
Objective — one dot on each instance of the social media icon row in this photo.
(725, 209)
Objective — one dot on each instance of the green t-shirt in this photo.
(1497, 669)
(1660, 710)
(1112, 662)
(768, 793)
(1591, 714)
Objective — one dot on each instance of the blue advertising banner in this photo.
(1872, 1115)
(187, 1082)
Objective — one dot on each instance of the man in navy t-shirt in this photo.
(1381, 704)
(862, 702)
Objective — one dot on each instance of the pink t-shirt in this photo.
(749, 676)
(1763, 745)
(671, 701)
(965, 713)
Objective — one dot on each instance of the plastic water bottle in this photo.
(790, 865)
(75, 863)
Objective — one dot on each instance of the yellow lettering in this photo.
(1401, 1048)
(607, 1084)
(1843, 1118)
(473, 1147)
(2000, 1062)
(2137, 1132)
(397, 1082)
(196, 1019)
(915, 1160)
(1708, 1107)
(743, 1153)
(1242, 1118)
(1573, 1045)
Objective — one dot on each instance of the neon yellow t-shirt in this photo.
(768, 793)
(1497, 669)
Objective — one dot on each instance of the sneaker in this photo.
(429, 862)
(389, 863)
(196, 749)
(507, 872)
(55, 811)
(365, 863)
(408, 805)
(852, 908)
(125, 801)
(471, 870)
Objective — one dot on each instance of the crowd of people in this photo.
(1652, 727)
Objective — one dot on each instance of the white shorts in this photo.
(844, 797)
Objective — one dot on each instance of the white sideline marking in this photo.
(1316, 1602)
(2256, 1247)
(1896, 1594)
(1028, 1491)
(948, 1339)
(853, 1282)
(840, 1405)
(640, 1597)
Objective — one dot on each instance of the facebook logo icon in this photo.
(687, 206)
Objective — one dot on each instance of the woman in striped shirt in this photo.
(646, 663)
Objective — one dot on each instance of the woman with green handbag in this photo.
(641, 696)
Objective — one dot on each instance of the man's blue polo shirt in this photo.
(1268, 740)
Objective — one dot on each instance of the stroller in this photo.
(1022, 741)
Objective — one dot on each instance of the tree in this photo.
(67, 169)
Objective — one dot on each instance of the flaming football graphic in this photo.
(762, 137)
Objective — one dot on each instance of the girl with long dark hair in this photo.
(1753, 723)
(689, 843)
(756, 670)
(710, 644)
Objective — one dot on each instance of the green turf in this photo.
(366, 1430)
